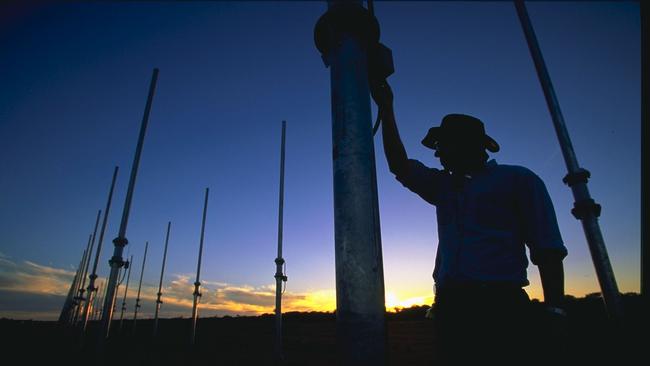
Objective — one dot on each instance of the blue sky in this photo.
(74, 81)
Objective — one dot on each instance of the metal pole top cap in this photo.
(345, 18)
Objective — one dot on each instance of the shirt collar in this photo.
(486, 168)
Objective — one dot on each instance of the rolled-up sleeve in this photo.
(540, 229)
(422, 180)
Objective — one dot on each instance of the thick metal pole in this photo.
(91, 290)
(162, 273)
(343, 35)
(126, 291)
(279, 261)
(91, 244)
(197, 283)
(645, 149)
(137, 299)
(121, 241)
(585, 209)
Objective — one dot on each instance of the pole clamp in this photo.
(117, 261)
(120, 242)
(579, 176)
(583, 208)
(279, 275)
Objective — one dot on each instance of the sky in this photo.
(74, 79)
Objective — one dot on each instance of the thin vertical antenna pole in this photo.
(126, 291)
(645, 151)
(82, 289)
(162, 273)
(121, 241)
(137, 299)
(279, 261)
(197, 283)
(585, 209)
(91, 291)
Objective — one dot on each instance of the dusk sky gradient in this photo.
(74, 79)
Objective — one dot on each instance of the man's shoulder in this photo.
(516, 170)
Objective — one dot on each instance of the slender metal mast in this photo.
(121, 241)
(89, 250)
(343, 35)
(126, 290)
(162, 272)
(585, 208)
(279, 261)
(137, 299)
(197, 283)
(645, 151)
(79, 276)
(91, 290)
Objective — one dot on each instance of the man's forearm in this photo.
(551, 273)
(393, 146)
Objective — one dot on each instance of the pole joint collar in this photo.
(583, 208)
(116, 261)
(120, 242)
(579, 176)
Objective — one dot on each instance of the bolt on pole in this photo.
(121, 241)
(343, 35)
(162, 272)
(137, 299)
(197, 284)
(91, 290)
(279, 261)
(585, 208)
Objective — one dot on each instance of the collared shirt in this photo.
(485, 222)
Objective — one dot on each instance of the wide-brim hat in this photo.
(459, 127)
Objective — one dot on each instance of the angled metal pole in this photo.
(279, 261)
(91, 290)
(82, 288)
(68, 305)
(137, 299)
(585, 208)
(162, 273)
(120, 242)
(343, 35)
(197, 283)
(75, 299)
(126, 291)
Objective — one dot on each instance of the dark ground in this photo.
(309, 339)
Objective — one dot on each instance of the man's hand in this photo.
(381, 93)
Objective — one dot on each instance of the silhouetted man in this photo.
(487, 214)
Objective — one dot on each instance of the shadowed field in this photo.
(309, 339)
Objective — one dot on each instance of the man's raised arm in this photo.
(393, 146)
